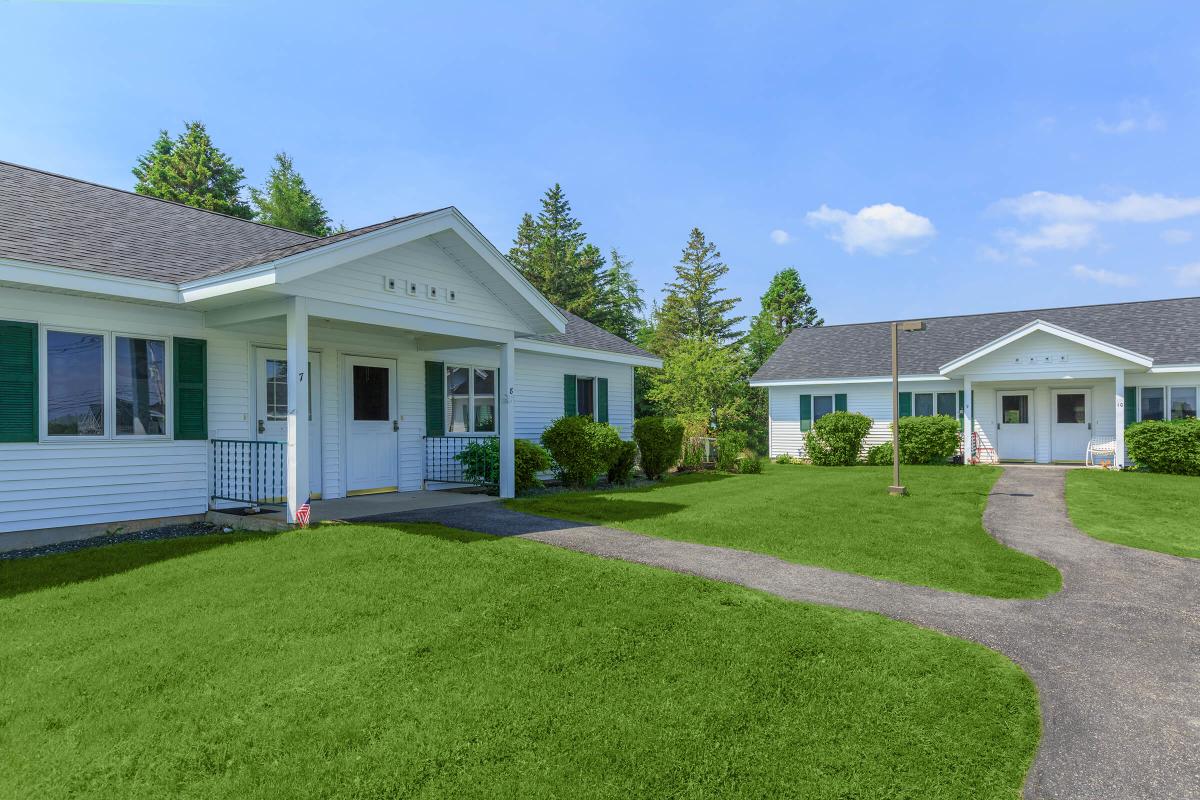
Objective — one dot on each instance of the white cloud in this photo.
(1102, 276)
(1134, 207)
(1058, 236)
(1188, 275)
(878, 229)
(1176, 236)
(779, 236)
(1134, 117)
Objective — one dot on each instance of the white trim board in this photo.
(552, 348)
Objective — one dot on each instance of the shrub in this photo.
(835, 439)
(659, 441)
(880, 455)
(581, 448)
(480, 461)
(749, 464)
(730, 445)
(928, 440)
(1172, 447)
(784, 458)
(530, 458)
(623, 458)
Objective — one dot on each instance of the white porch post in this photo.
(297, 415)
(968, 422)
(1119, 451)
(507, 398)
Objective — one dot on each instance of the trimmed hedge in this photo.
(660, 441)
(928, 440)
(880, 455)
(1170, 447)
(624, 456)
(836, 439)
(581, 447)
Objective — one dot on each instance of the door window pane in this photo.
(1183, 402)
(1072, 409)
(141, 387)
(1152, 403)
(584, 406)
(371, 393)
(74, 384)
(947, 404)
(923, 404)
(822, 405)
(277, 390)
(1014, 409)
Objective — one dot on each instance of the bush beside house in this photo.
(581, 448)
(836, 439)
(1170, 447)
(660, 442)
(928, 440)
(481, 462)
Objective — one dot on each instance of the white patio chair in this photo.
(1100, 447)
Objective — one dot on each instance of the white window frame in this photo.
(1166, 398)
(936, 395)
(1168, 410)
(109, 343)
(470, 368)
(813, 408)
(932, 403)
(595, 393)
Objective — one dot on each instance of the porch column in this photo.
(507, 398)
(297, 415)
(968, 422)
(1119, 453)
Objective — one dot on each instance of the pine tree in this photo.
(553, 254)
(786, 305)
(286, 202)
(692, 309)
(191, 170)
(619, 307)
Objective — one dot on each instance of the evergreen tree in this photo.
(191, 170)
(786, 305)
(286, 202)
(553, 254)
(619, 307)
(692, 309)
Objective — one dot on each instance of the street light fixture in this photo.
(911, 326)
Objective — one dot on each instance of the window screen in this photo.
(584, 397)
(1152, 403)
(822, 405)
(923, 404)
(947, 404)
(371, 393)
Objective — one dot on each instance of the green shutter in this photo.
(805, 412)
(839, 402)
(435, 398)
(601, 399)
(906, 404)
(1130, 405)
(570, 405)
(191, 389)
(18, 382)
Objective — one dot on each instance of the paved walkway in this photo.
(1115, 654)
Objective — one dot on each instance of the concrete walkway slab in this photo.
(1115, 655)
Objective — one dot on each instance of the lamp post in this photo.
(912, 326)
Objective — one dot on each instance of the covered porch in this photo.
(354, 508)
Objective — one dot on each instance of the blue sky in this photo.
(909, 159)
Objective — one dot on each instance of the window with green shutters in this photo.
(191, 389)
(602, 399)
(18, 381)
(570, 406)
(1131, 405)
(906, 405)
(840, 402)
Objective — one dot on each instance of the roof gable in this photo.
(1040, 326)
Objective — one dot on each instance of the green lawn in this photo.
(381, 662)
(836, 517)
(1138, 509)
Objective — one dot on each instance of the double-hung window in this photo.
(1183, 402)
(100, 385)
(585, 397)
(822, 405)
(927, 404)
(470, 400)
(1152, 404)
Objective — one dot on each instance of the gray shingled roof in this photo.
(1164, 330)
(581, 333)
(65, 222)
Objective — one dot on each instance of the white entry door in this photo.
(272, 391)
(372, 460)
(1014, 427)
(1072, 428)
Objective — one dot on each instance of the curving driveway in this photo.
(1115, 654)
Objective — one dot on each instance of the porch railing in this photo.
(249, 471)
(443, 464)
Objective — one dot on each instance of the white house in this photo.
(146, 346)
(1032, 385)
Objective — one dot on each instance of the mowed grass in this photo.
(836, 517)
(383, 662)
(1138, 509)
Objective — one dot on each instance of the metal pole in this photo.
(895, 488)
